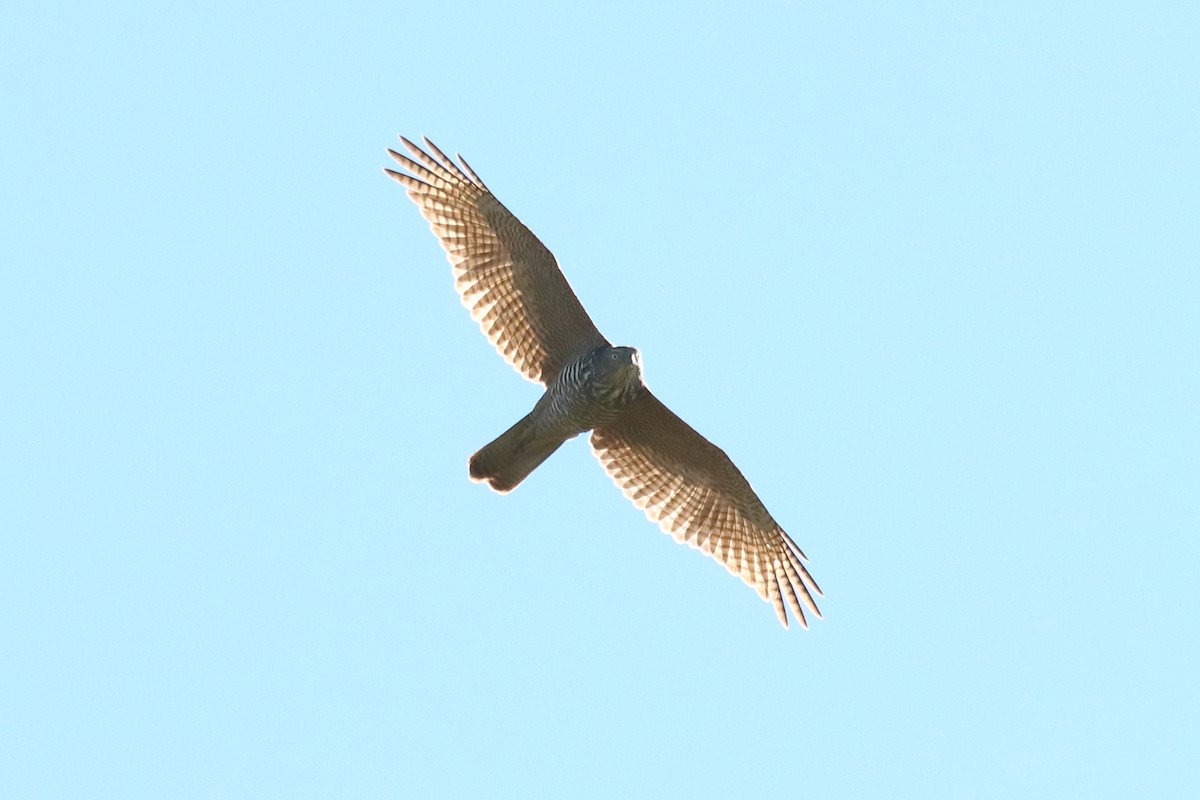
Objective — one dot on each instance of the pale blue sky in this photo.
(927, 271)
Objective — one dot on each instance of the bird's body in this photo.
(514, 289)
(595, 388)
(588, 392)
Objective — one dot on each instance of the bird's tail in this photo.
(512, 456)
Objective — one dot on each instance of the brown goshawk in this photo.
(514, 289)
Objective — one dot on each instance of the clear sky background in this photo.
(927, 271)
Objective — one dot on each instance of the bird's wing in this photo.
(694, 492)
(507, 278)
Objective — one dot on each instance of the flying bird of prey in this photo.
(514, 289)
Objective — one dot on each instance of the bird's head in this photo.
(618, 369)
(621, 361)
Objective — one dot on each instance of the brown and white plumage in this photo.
(694, 492)
(506, 277)
(513, 287)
